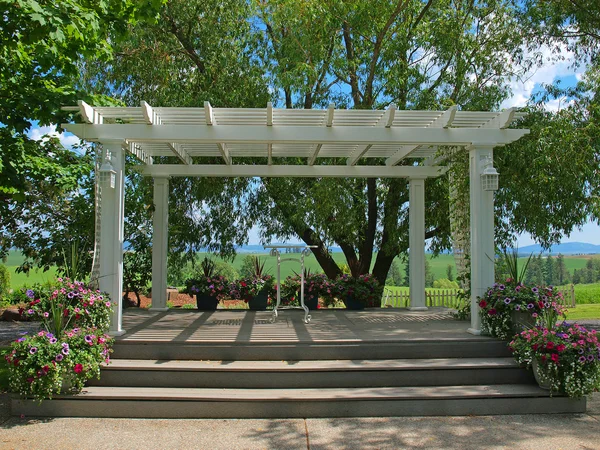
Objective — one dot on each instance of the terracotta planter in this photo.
(544, 383)
(521, 320)
(259, 302)
(206, 302)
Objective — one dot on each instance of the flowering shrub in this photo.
(364, 289)
(41, 364)
(66, 304)
(248, 287)
(72, 345)
(498, 302)
(215, 286)
(568, 356)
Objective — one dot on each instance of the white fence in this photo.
(450, 299)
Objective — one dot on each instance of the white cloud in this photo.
(554, 66)
(68, 140)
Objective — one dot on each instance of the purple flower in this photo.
(88, 339)
(30, 311)
(53, 340)
(65, 350)
(517, 307)
(535, 290)
(530, 306)
(33, 350)
(65, 345)
(59, 357)
(21, 339)
(507, 300)
(582, 359)
(590, 357)
(581, 352)
(30, 293)
(501, 287)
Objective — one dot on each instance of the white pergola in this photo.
(350, 136)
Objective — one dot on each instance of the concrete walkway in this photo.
(579, 431)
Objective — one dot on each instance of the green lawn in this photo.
(584, 312)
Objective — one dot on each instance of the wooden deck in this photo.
(229, 326)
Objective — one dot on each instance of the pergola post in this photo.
(160, 238)
(111, 232)
(416, 232)
(482, 231)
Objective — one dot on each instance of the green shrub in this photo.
(4, 281)
(445, 283)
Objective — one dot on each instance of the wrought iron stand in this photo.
(275, 252)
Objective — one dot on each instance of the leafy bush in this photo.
(4, 281)
(445, 283)
(207, 282)
(364, 289)
(248, 287)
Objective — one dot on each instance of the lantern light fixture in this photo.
(489, 176)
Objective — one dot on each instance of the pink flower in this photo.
(78, 368)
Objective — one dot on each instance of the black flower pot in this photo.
(352, 303)
(311, 301)
(206, 302)
(259, 302)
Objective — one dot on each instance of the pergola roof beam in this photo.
(269, 114)
(388, 118)
(502, 120)
(443, 121)
(137, 151)
(253, 134)
(150, 116)
(222, 170)
(180, 152)
(328, 123)
(89, 113)
(210, 121)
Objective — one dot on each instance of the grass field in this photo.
(584, 312)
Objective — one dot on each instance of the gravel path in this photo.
(9, 331)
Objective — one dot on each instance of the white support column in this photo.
(160, 242)
(111, 236)
(416, 233)
(482, 232)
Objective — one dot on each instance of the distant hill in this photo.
(567, 248)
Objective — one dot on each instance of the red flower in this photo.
(535, 346)
(492, 312)
(541, 305)
(243, 283)
(482, 304)
(560, 347)
(78, 368)
(554, 357)
(550, 345)
(66, 313)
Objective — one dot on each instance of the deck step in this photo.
(480, 347)
(146, 402)
(319, 374)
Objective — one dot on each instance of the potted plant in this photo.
(565, 358)
(256, 288)
(315, 286)
(507, 308)
(358, 293)
(71, 346)
(208, 287)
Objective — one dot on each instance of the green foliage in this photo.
(4, 282)
(253, 266)
(394, 277)
(445, 283)
(449, 272)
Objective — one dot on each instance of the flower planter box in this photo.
(206, 302)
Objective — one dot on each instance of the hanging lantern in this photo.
(489, 178)
(108, 175)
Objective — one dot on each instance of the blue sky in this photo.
(553, 70)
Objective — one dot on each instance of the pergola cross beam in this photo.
(387, 118)
(443, 121)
